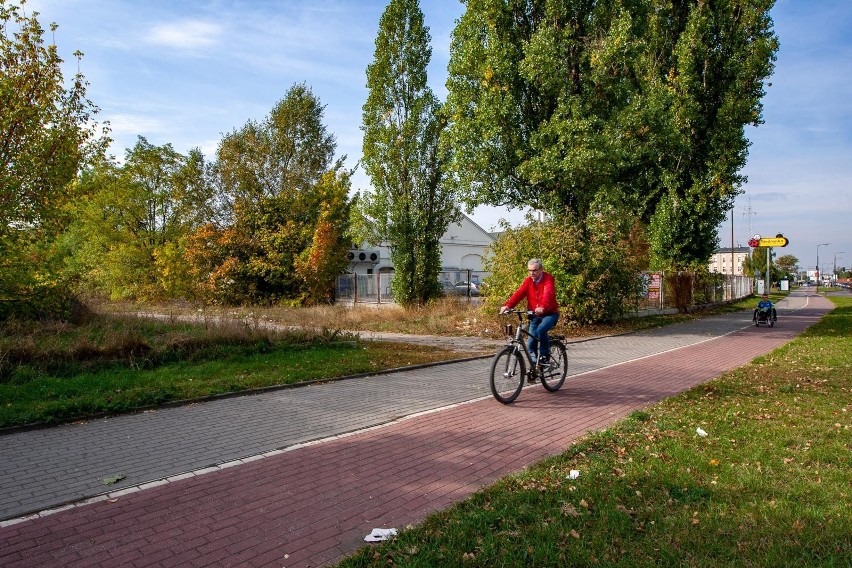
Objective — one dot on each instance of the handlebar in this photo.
(529, 313)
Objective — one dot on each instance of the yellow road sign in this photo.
(774, 242)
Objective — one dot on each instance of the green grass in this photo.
(113, 361)
(770, 485)
(56, 372)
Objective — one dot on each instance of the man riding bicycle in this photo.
(539, 289)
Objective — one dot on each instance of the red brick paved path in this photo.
(314, 504)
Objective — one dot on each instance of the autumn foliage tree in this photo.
(285, 228)
(597, 269)
(47, 134)
(129, 231)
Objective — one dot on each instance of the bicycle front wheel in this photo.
(507, 375)
(553, 377)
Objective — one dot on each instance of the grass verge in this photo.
(115, 362)
(769, 485)
(56, 372)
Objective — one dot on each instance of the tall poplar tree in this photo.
(410, 206)
(557, 103)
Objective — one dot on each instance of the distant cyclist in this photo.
(765, 304)
(539, 289)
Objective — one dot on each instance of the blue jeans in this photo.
(539, 327)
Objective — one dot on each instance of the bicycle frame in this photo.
(518, 340)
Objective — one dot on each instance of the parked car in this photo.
(463, 287)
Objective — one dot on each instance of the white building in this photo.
(723, 262)
(463, 248)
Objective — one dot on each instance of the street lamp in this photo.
(817, 266)
(835, 266)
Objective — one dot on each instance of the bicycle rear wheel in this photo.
(553, 377)
(507, 375)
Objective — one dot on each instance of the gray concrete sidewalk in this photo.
(48, 468)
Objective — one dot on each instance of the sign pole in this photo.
(768, 260)
(778, 241)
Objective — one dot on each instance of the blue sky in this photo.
(186, 72)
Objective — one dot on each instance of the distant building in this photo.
(463, 248)
(722, 262)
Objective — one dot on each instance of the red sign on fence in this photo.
(653, 281)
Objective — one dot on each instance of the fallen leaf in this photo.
(113, 479)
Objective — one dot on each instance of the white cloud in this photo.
(188, 34)
(133, 124)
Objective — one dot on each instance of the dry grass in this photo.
(448, 317)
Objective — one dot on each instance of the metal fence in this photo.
(659, 292)
(376, 288)
(364, 288)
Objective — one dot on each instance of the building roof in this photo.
(728, 250)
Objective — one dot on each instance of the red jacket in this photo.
(542, 294)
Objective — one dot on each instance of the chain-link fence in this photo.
(678, 290)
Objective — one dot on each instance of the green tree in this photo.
(552, 104)
(711, 82)
(787, 264)
(756, 265)
(46, 135)
(278, 182)
(597, 274)
(131, 227)
(410, 206)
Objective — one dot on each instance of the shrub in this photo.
(596, 267)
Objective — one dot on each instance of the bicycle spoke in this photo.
(507, 375)
(553, 377)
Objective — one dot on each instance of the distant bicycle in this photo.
(509, 366)
(764, 316)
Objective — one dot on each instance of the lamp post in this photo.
(834, 273)
(817, 266)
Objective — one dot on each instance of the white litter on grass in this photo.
(379, 535)
(574, 474)
(700, 432)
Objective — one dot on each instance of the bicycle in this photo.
(508, 368)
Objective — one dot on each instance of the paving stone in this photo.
(316, 501)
